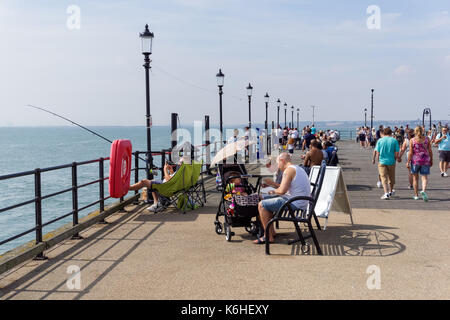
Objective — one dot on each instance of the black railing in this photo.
(39, 225)
(38, 197)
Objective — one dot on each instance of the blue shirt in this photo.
(444, 145)
(387, 147)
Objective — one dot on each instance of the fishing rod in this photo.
(79, 125)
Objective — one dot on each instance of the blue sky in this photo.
(302, 52)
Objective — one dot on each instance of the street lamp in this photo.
(220, 79)
(278, 113)
(426, 112)
(365, 117)
(147, 39)
(266, 98)
(249, 94)
(298, 115)
(371, 112)
(292, 117)
(313, 107)
(285, 110)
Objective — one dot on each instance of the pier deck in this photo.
(142, 255)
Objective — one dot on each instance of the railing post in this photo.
(38, 210)
(75, 198)
(101, 177)
(207, 143)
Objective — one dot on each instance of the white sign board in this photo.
(333, 195)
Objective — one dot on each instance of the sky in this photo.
(304, 52)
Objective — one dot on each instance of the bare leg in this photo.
(265, 217)
(410, 178)
(416, 184)
(155, 197)
(141, 184)
(424, 182)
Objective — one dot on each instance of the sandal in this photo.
(261, 240)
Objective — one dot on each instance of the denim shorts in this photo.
(273, 203)
(423, 170)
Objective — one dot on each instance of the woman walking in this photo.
(404, 148)
(420, 159)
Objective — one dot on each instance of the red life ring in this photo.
(119, 168)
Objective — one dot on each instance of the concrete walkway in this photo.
(142, 255)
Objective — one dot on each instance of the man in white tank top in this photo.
(295, 183)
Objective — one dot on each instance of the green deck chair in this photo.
(181, 191)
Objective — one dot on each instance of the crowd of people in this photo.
(390, 145)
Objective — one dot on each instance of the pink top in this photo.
(420, 154)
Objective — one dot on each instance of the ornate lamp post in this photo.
(371, 112)
(249, 94)
(266, 126)
(278, 112)
(220, 79)
(426, 112)
(292, 117)
(285, 110)
(147, 39)
(298, 115)
(365, 117)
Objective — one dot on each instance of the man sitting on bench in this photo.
(294, 183)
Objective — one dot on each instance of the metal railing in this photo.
(37, 173)
(75, 186)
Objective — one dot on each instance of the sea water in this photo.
(27, 148)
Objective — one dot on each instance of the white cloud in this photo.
(403, 70)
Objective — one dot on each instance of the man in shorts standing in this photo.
(386, 150)
(443, 142)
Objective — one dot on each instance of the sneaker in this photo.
(410, 187)
(416, 198)
(424, 196)
(444, 174)
(385, 196)
(392, 193)
(379, 184)
(153, 207)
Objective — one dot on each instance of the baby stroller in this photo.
(237, 210)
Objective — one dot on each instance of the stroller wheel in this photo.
(228, 233)
(252, 229)
(305, 248)
(219, 227)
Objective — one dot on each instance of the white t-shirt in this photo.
(300, 186)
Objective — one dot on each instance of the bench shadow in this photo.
(351, 240)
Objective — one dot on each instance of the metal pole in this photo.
(371, 112)
(292, 116)
(298, 122)
(221, 127)
(38, 211)
(75, 198)
(278, 117)
(149, 157)
(207, 142)
(285, 110)
(174, 127)
(365, 117)
(267, 127)
(249, 111)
